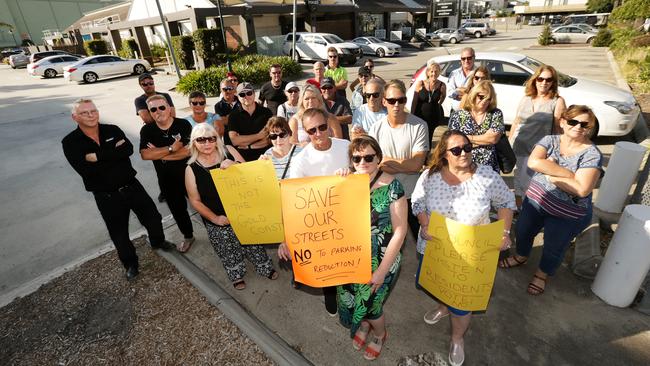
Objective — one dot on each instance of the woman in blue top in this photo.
(199, 115)
(558, 199)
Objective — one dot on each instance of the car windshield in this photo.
(373, 40)
(564, 80)
(330, 38)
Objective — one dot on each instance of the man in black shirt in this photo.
(246, 125)
(225, 105)
(149, 88)
(272, 92)
(164, 142)
(337, 105)
(100, 154)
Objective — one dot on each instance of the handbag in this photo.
(505, 155)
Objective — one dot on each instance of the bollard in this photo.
(627, 260)
(621, 172)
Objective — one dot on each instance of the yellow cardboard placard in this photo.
(460, 262)
(327, 229)
(250, 194)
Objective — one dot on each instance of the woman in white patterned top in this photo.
(457, 188)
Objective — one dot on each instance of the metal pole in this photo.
(223, 35)
(169, 39)
(293, 33)
(459, 12)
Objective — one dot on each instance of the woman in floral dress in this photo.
(360, 306)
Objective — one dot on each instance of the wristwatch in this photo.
(170, 149)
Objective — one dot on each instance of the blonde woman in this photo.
(428, 98)
(310, 97)
(481, 73)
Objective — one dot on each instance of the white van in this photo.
(313, 46)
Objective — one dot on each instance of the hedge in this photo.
(129, 48)
(183, 46)
(208, 43)
(251, 68)
(603, 38)
(96, 47)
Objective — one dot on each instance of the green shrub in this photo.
(183, 46)
(129, 49)
(544, 38)
(632, 10)
(603, 38)
(622, 37)
(208, 43)
(158, 50)
(251, 68)
(96, 47)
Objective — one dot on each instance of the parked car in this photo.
(616, 109)
(43, 54)
(93, 68)
(19, 60)
(477, 29)
(584, 26)
(51, 66)
(313, 46)
(375, 46)
(572, 34)
(451, 35)
(535, 21)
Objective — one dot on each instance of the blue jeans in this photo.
(558, 233)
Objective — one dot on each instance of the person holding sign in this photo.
(388, 227)
(208, 153)
(457, 188)
(558, 200)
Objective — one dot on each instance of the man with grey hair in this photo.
(100, 154)
(371, 112)
(458, 77)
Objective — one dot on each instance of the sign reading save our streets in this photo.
(445, 8)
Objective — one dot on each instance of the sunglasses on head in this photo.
(154, 109)
(467, 58)
(482, 97)
(548, 80)
(321, 128)
(458, 149)
(245, 94)
(374, 95)
(368, 158)
(198, 103)
(228, 88)
(401, 100)
(293, 90)
(274, 136)
(203, 140)
(147, 83)
(575, 122)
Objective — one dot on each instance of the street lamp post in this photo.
(169, 39)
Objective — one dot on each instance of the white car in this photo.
(313, 46)
(616, 109)
(572, 34)
(375, 46)
(51, 66)
(93, 68)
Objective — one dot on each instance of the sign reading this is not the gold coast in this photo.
(327, 229)
(460, 262)
(250, 194)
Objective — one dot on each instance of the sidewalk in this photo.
(567, 325)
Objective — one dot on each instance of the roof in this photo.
(111, 13)
(392, 5)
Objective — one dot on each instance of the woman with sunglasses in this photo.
(360, 306)
(311, 97)
(208, 153)
(538, 115)
(482, 122)
(454, 186)
(199, 115)
(289, 108)
(558, 199)
(428, 98)
(481, 73)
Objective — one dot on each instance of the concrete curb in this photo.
(269, 342)
(620, 80)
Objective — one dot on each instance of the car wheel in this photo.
(13, 67)
(139, 69)
(478, 34)
(452, 40)
(90, 77)
(380, 52)
(49, 73)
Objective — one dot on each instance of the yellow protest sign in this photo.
(327, 229)
(460, 262)
(250, 194)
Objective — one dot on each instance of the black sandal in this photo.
(273, 275)
(505, 262)
(534, 289)
(239, 285)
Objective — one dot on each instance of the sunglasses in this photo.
(328, 56)
(227, 89)
(321, 128)
(150, 83)
(291, 91)
(575, 122)
(459, 149)
(540, 79)
(467, 58)
(326, 87)
(154, 109)
(198, 103)
(374, 95)
(392, 101)
(482, 97)
(368, 158)
(479, 78)
(281, 135)
(234, 80)
(364, 76)
(203, 140)
(245, 94)
(276, 73)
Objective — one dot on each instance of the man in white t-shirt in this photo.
(403, 139)
(324, 155)
(364, 117)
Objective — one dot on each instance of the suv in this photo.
(477, 29)
(313, 46)
(41, 55)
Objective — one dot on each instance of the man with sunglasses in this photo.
(148, 86)
(337, 105)
(100, 153)
(358, 97)
(163, 142)
(458, 77)
(290, 107)
(336, 72)
(272, 92)
(246, 124)
(364, 117)
(403, 138)
(324, 155)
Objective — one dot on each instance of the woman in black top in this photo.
(208, 153)
(428, 97)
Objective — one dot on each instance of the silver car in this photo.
(451, 35)
(572, 34)
(18, 60)
(375, 46)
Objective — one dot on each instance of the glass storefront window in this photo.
(370, 22)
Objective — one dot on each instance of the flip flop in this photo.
(505, 262)
(185, 245)
(273, 275)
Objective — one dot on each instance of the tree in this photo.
(600, 6)
(544, 38)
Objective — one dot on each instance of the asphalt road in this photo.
(49, 221)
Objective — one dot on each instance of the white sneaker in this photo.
(434, 316)
(456, 354)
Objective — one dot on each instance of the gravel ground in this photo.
(93, 316)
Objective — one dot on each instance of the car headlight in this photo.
(621, 107)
